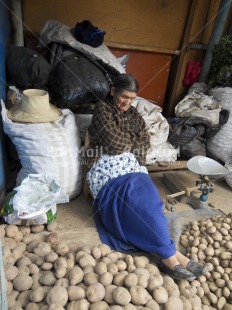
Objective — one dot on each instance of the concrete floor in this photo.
(77, 228)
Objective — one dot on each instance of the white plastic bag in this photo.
(34, 198)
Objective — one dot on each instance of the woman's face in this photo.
(123, 100)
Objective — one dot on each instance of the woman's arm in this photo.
(106, 132)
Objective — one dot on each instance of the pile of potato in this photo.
(210, 241)
(45, 274)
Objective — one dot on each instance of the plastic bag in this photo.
(35, 198)
(76, 80)
(26, 68)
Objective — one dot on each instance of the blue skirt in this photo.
(128, 212)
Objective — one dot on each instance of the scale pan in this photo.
(206, 166)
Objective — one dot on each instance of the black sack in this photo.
(183, 130)
(26, 68)
(75, 80)
(88, 34)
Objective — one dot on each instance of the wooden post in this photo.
(17, 24)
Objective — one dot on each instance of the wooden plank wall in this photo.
(162, 27)
(154, 25)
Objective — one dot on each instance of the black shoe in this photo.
(196, 268)
(178, 273)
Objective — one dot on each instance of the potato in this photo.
(64, 282)
(160, 294)
(37, 294)
(121, 265)
(153, 269)
(88, 269)
(36, 282)
(142, 280)
(75, 293)
(70, 263)
(96, 253)
(132, 307)
(119, 278)
(22, 282)
(91, 278)
(82, 304)
(95, 292)
(33, 268)
(18, 237)
(113, 256)
(52, 226)
(23, 270)
(154, 281)
(106, 278)
(142, 271)
(56, 307)
(9, 242)
(131, 280)
(61, 249)
(11, 231)
(139, 295)
(37, 228)
(186, 303)
(141, 261)
(86, 260)
(25, 230)
(109, 293)
(48, 278)
(42, 249)
(173, 300)
(2, 230)
(75, 275)
(9, 287)
(61, 262)
(46, 266)
(58, 295)
(112, 268)
(100, 268)
(121, 296)
(24, 261)
(100, 305)
(32, 245)
(10, 272)
(51, 257)
(52, 238)
(60, 272)
(105, 249)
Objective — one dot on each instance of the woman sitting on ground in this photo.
(127, 207)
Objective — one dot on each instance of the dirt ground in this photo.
(76, 225)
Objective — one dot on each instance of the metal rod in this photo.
(215, 37)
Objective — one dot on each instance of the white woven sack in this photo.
(200, 105)
(48, 148)
(220, 145)
(156, 124)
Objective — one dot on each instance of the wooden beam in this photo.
(142, 48)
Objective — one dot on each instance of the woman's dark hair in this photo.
(125, 82)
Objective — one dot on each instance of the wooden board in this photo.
(154, 24)
(151, 70)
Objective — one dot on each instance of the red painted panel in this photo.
(151, 69)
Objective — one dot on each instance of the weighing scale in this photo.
(208, 170)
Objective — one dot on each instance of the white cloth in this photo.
(109, 167)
